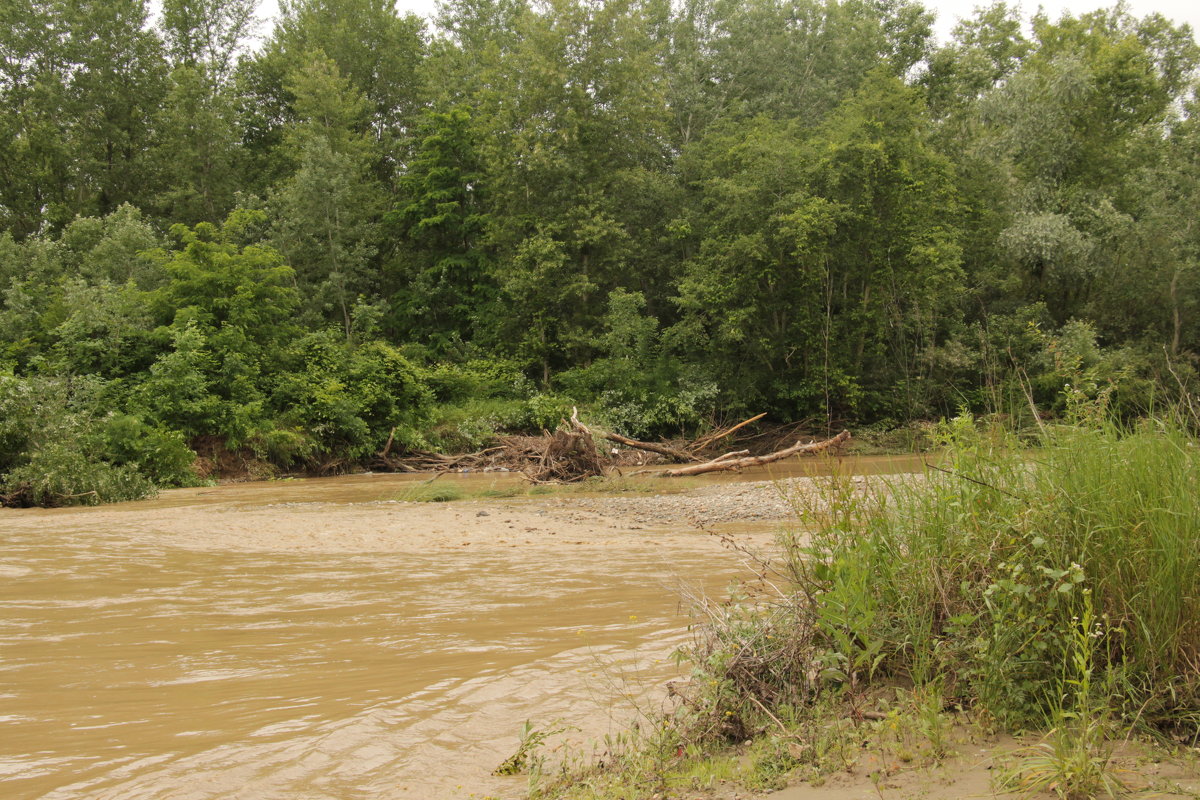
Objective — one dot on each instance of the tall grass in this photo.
(973, 577)
(1050, 584)
(976, 574)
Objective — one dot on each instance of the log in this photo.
(727, 462)
(661, 449)
(387, 448)
(712, 438)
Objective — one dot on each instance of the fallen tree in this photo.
(737, 460)
(667, 450)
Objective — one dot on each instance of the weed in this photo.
(501, 491)
(529, 756)
(432, 493)
(1074, 760)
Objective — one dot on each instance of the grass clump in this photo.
(978, 575)
(439, 492)
(1047, 587)
(432, 493)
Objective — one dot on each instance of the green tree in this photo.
(117, 83)
(326, 214)
(569, 120)
(197, 149)
(35, 148)
(440, 273)
(207, 34)
(376, 51)
(229, 314)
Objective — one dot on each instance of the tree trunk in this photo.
(728, 462)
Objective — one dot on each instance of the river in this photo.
(315, 639)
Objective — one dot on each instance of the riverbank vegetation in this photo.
(1048, 589)
(225, 257)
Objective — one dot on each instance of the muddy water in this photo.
(302, 640)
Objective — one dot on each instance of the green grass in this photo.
(432, 493)
(1051, 586)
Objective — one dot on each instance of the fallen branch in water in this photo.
(652, 447)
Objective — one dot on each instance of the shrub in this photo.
(160, 455)
(60, 475)
(57, 447)
(345, 399)
(975, 576)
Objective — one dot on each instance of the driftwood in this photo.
(421, 461)
(569, 455)
(662, 449)
(732, 461)
(713, 438)
(683, 456)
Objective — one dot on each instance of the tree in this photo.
(440, 274)
(117, 82)
(568, 117)
(207, 34)
(197, 150)
(229, 314)
(35, 149)
(326, 213)
(1065, 126)
(376, 51)
(828, 262)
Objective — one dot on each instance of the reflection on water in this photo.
(134, 668)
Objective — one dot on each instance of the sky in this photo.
(948, 11)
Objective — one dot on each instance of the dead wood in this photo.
(706, 441)
(728, 462)
(662, 449)
(727, 456)
(569, 455)
(387, 448)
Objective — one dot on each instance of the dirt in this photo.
(971, 770)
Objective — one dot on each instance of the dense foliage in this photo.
(665, 211)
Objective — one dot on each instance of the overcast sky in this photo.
(948, 11)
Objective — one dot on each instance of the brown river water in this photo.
(315, 639)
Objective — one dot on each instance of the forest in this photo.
(223, 253)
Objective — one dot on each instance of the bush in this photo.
(59, 475)
(976, 578)
(345, 400)
(57, 447)
(979, 575)
(160, 455)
